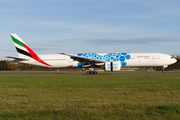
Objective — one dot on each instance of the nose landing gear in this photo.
(163, 68)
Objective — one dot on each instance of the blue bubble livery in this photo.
(122, 57)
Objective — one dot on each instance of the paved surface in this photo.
(60, 74)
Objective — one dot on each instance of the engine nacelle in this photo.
(80, 65)
(112, 66)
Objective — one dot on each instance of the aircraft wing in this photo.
(84, 59)
(17, 58)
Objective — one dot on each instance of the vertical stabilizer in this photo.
(24, 51)
(20, 47)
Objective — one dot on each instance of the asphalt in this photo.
(59, 74)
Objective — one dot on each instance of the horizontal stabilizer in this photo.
(17, 58)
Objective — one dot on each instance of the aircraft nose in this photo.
(174, 60)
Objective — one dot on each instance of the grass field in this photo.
(89, 97)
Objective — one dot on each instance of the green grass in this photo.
(89, 97)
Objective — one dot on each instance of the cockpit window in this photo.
(172, 57)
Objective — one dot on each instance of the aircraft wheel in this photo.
(91, 72)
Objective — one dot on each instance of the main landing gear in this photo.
(91, 72)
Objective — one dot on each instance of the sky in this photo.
(91, 26)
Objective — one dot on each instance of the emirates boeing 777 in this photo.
(108, 61)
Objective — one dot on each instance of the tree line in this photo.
(10, 65)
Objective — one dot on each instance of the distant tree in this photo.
(3, 65)
(12, 65)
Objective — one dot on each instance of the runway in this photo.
(63, 74)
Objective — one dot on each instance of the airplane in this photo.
(107, 61)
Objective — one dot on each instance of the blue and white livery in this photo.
(107, 61)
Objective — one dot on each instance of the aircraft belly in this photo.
(59, 64)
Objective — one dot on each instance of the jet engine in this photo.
(112, 66)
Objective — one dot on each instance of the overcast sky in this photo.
(72, 26)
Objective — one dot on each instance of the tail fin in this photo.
(24, 51)
(21, 46)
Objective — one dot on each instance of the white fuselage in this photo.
(136, 60)
(150, 59)
(55, 60)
